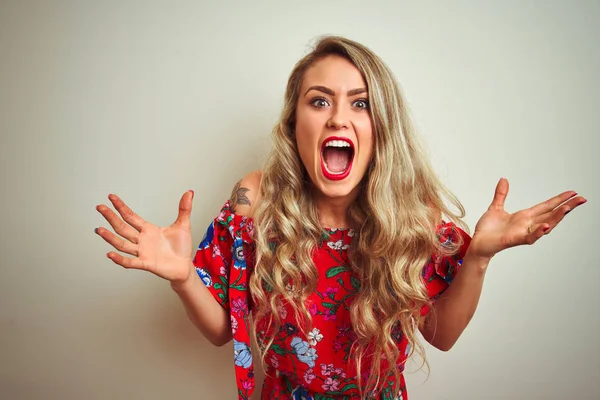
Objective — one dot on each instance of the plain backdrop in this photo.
(148, 99)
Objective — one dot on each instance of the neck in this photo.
(333, 212)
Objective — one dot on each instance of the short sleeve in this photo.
(439, 272)
(224, 261)
(224, 253)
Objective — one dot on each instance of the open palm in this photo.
(498, 230)
(164, 251)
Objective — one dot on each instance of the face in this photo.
(333, 129)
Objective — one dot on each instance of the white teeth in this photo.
(337, 143)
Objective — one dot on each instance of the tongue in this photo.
(336, 159)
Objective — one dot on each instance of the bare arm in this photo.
(496, 230)
(455, 307)
(166, 252)
(203, 309)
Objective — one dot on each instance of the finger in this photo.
(552, 203)
(185, 209)
(128, 215)
(500, 195)
(127, 262)
(118, 242)
(118, 224)
(537, 233)
(554, 217)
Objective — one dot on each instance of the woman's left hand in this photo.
(498, 230)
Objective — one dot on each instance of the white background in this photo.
(148, 99)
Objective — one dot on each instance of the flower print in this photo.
(223, 270)
(289, 328)
(241, 354)
(238, 252)
(234, 325)
(239, 306)
(351, 232)
(337, 345)
(339, 245)
(282, 311)
(274, 361)
(340, 373)
(289, 288)
(428, 272)
(328, 316)
(313, 310)
(208, 237)
(331, 292)
(314, 337)
(250, 228)
(301, 393)
(344, 330)
(331, 385)
(205, 276)
(216, 252)
(247, 384)
(399, 397)
(305, 354)
(309, 376)
(326, 369)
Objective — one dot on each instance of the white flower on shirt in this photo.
(314, 337)
(339, 245)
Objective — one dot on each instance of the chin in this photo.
(340, 189)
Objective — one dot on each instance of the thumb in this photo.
(500, 195)
(185, 209)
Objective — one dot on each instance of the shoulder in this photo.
(244, 194)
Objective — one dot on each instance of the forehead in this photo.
(335, 72)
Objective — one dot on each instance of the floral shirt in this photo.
(314, 366)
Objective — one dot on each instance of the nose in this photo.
(338, 118)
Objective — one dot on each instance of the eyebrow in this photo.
(330, 92)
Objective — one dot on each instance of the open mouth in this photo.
(337, 154)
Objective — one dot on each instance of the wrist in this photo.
(184, 282)
(476, 261)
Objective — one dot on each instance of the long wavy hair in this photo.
(399, 206)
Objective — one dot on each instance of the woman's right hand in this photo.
(164, 251)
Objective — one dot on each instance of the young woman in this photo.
(340, 248)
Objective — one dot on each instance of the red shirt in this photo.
(316, 365)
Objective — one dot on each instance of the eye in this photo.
(362, 104)
(319, 102)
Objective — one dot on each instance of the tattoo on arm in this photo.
(238, 196)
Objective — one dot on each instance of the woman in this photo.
(338, 248)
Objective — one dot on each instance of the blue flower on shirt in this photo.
(301, 393)
(241, 354)
(208, 237)
(304, 352)
(239, 261)
(205, 276)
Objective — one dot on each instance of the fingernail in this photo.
(96, 230)
(545, 230)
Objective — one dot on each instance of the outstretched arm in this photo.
(497, 230)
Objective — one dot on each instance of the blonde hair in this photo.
(395, 215)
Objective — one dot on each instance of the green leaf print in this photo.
(355, 282)
(331, 272)
(277, 349)
(348, 387)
